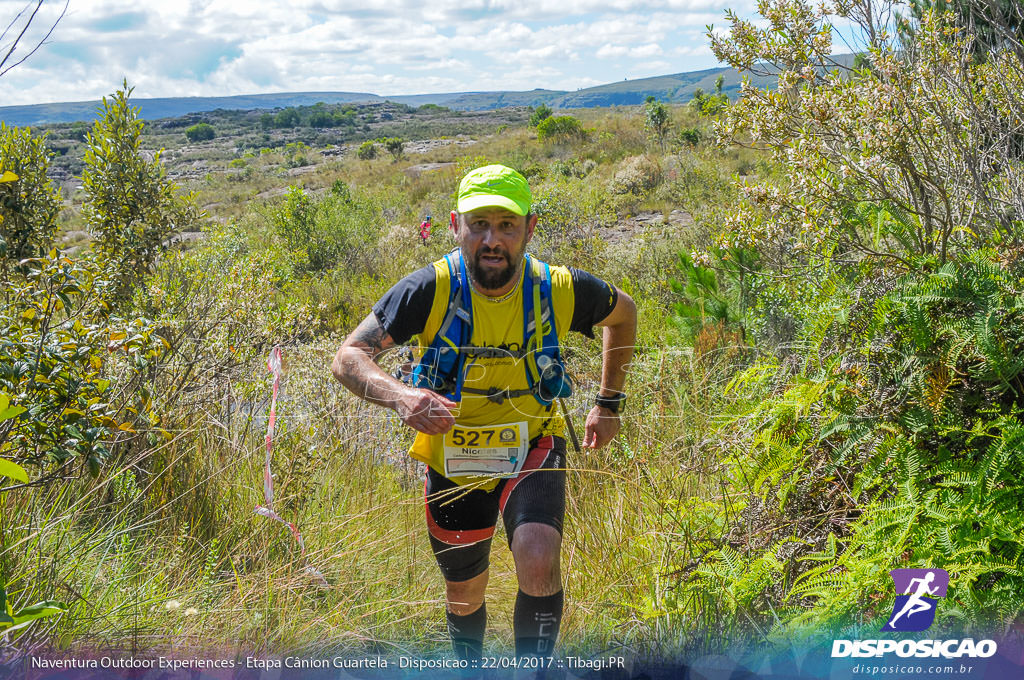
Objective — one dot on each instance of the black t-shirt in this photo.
(404, 309)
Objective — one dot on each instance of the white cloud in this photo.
(692, 51)
(638, 52)
(652, 68)
(220, 47)
(443, 65)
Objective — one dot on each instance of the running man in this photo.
(916, 602)
(425, 230)
(486, 416)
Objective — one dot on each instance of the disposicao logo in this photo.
(918, 593)
(914, 609)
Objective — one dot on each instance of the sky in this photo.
(180, 48)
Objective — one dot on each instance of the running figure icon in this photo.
(914, 609)
(916, 603)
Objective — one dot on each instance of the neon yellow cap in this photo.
(494, 186)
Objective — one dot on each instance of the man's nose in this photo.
(490, 237)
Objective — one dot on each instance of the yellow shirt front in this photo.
(499, 324)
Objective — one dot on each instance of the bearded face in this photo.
(494, 268)
(493, 243)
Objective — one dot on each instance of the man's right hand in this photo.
(426, 411)
(355, 367)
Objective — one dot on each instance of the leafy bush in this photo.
(394, 146)
(287, 118)
(927, 475)
(367, 151)
(573, 167)
(217, 309)
(346, 118)
(560, 130)
(433, 108)
(29, 202)
(294, 221)
(710, 104)
(703, 302)
(657, 121)
(876, 137)
(78, 374)
(78, 131)
(322, 119)
(540, 114)
(886, 431)
(570, 210)
(200, 132)
(700, 183)
(690, 136)
(131, 207)
(326, 233)
(341, 190)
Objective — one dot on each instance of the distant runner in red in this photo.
(425, 230)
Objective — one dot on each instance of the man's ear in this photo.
(531, 224)
(454, 226)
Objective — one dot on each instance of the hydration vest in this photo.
(442, 367)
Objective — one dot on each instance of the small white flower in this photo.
(172, 605)
(191, 611)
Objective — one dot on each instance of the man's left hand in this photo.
(602, 426)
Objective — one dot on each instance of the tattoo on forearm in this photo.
(371, 334)
(362, 377)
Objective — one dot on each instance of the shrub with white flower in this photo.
(925, 131)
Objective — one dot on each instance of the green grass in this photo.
(136, 541)
(173, 522)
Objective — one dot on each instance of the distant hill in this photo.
(170, 107)
(486, 101)
(677, 87)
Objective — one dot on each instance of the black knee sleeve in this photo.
(535, 623)
(468, 632)
(461, 562)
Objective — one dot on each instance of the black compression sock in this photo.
(468, 632)
(535, 623)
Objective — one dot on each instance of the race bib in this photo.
(498, 450)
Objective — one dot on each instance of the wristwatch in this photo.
(613, 403)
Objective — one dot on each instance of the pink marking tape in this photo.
(266, 510)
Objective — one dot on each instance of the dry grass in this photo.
(175, 523)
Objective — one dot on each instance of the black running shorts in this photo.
(461, 519)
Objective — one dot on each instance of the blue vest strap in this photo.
(442, 366)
